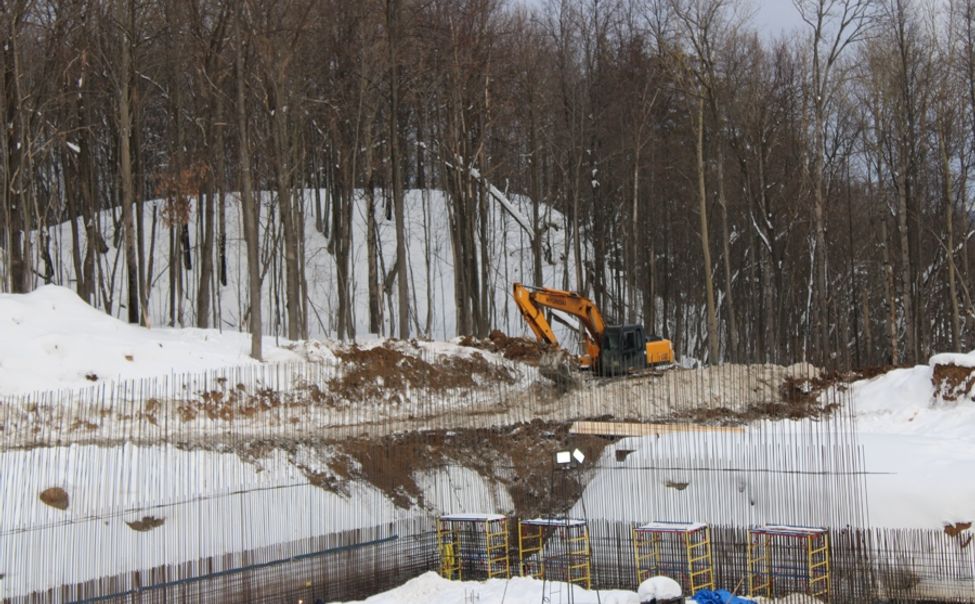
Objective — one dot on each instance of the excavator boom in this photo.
(531, 300)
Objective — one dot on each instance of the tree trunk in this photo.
(403, 291)
(125, 170)
(950, 243)
(249, 208)
(907, 290)
(889, 294)
(726, 253)
(713, 335)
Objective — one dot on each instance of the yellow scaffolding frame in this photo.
(475, 539)
(761, 543)
(695, 537)
(575, 557)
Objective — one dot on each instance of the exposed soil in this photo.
(517, 349)
(374, 373)
(520, 458)
(56, 497)
(147, 523)
(953, 530)
(952, 382)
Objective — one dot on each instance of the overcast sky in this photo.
(775, 17)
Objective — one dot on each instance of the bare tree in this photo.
(836, 25)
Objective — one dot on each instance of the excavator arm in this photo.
(627, 347)
(531, 300)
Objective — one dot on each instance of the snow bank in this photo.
(431, 588)
(428, 251)
(51, 339)
(953, 358)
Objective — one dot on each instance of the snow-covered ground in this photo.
(431, 588)
(51, 340)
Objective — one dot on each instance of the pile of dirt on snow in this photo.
(520, 349)
(519, 457)
(147, 523)
(56, 497)
(952, 382)
(377, 372)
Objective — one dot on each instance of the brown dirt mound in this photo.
(374, 373)
(952, 382)
(953, 530)
(56, 497)
(521, 458)
(520, 349)
(146, 524)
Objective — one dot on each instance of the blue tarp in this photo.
(721, 596)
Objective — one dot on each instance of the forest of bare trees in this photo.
(752, 198)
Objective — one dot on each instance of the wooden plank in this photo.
(635, 429)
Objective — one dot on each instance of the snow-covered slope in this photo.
(429, 252)
(51, 339)
(918, 446)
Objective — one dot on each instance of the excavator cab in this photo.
(623, 350)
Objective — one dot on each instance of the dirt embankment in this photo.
(520, 458)
(512, 348)
(374, 373)
(953, 382)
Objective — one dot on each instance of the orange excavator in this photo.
(607, 350)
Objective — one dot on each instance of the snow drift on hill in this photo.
(429, 254)
(52, 339)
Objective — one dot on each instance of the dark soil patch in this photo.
(56, 497)
(147, 523)
(953, 530)
(385, 372)
(805, 407)
(521, 458)
(952, 382)
(517, 349)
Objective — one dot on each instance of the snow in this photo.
(223, 502)
(431, 588)
(53, 340)
(428, 240)
(917, 447)
(953, 358)
(660, 588)
(678, 527)
(737, 478)
(470, 517)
